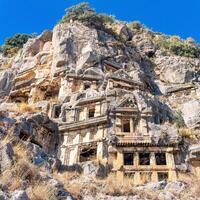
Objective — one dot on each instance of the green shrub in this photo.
(85, 14)
(180, 48)
(135, 25)
(107, 18)
(14, 43)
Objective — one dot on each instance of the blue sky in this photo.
(174, 17)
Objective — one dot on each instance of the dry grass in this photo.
(21, 171)
(26, 108)
(42, 192)
(115, 187)
(187, 133)
(65, 178)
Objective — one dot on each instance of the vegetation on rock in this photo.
(181, 48)
(85, 14)
(13, 44)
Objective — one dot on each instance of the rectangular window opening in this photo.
(57, 111)
(128, 158)
(91, 112)
(160, 159)
(144, 158)
(126, 126)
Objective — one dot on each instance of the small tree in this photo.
(13, 44)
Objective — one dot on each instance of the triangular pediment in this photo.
(128, 102)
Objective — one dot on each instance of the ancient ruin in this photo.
(104, 93)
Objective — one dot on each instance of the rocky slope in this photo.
(33, 78)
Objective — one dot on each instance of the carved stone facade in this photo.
(105, 121)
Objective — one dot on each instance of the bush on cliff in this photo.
(13, 44)
(180, 48)
(85, 14)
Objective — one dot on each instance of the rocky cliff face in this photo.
(35, 78)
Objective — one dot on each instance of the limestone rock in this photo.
(3, 196)
(191, 113)
(39, 128)
(176, 69)
(94, 170)
(6, 82)
(6, 153)
(19, 195)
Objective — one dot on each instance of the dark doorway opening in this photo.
(87, 154)
(162, 176)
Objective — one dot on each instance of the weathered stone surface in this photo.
(19, 195)
(3, 196)
(40, 129)
(176, 186)
(191, 113)
(176, 69)
(166, 196)
(6, 154)
(6, 82)
(164, 134)
(94, 169)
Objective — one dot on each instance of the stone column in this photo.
(102, 152)
(152, 160)
(171, 165)
(136, 159)
(97, 110)
(74, 156)
(154, 176)
(131, 125)
(137, 178)
(120, 159)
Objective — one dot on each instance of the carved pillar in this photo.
(136, 159)
(171, 165)
(154, 175)
(120, 159)
(74, 155)
(97, 110)
(152, 160)
(137, 178)
(131, 125)
(102, 152)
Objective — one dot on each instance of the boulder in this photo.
(163, 134)
(40, 130)
(6, 154)
(191, 113)
(176, 69)
(144, 45)
(6, 82)
(123, 31)
(177, 186)
(94, 169)
(19, 195)
(3, 196)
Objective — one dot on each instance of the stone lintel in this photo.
(83, 124)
